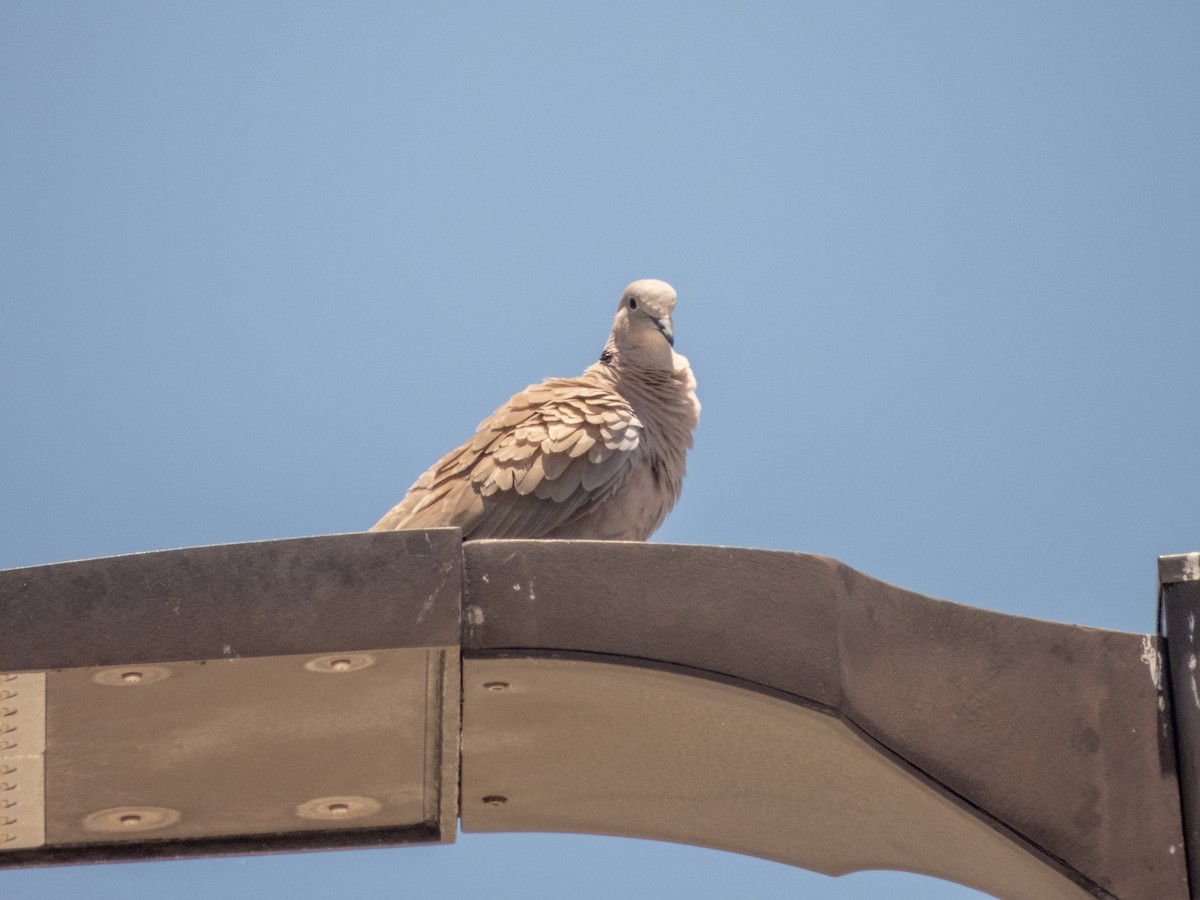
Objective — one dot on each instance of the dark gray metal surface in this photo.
(1179, 598)
(1053, 731)
(307, 595)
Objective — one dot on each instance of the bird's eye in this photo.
(633, 302)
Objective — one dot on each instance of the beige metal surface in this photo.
(593, 747)
(250, 746)
(22, 760)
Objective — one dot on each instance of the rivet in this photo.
(496, 685)
(128, 677)
(349, 807)
(494, 800)
(130, 818)
(340, 662)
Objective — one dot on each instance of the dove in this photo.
(599, 456)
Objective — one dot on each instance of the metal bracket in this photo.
(22, 761)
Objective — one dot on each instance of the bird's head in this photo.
(642, 332)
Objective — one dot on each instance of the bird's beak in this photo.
(664, 325)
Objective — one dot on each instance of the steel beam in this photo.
(332, 691)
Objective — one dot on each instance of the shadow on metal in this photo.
(312, 693)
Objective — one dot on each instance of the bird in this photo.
(600, 456)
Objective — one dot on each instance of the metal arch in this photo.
(777, 704)
(1052, 734)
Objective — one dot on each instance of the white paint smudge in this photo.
(428, 604)
(474, 616)
(426, 607)
(1191, 567)
(1151, 659)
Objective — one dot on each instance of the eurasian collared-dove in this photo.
(597, 456)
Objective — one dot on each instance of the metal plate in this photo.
(245, 698)
(597, 748)
(150, 760)
(304, 595)
(241, 746)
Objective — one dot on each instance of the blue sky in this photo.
(939, 278)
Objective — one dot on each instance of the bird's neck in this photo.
(655, 391)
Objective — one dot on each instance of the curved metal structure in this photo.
(776, 704)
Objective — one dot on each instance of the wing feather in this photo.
(536, 463)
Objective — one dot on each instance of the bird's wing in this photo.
(553, 450)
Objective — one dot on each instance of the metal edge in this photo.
(1177, 567)
(243, 845)
(234, 600)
